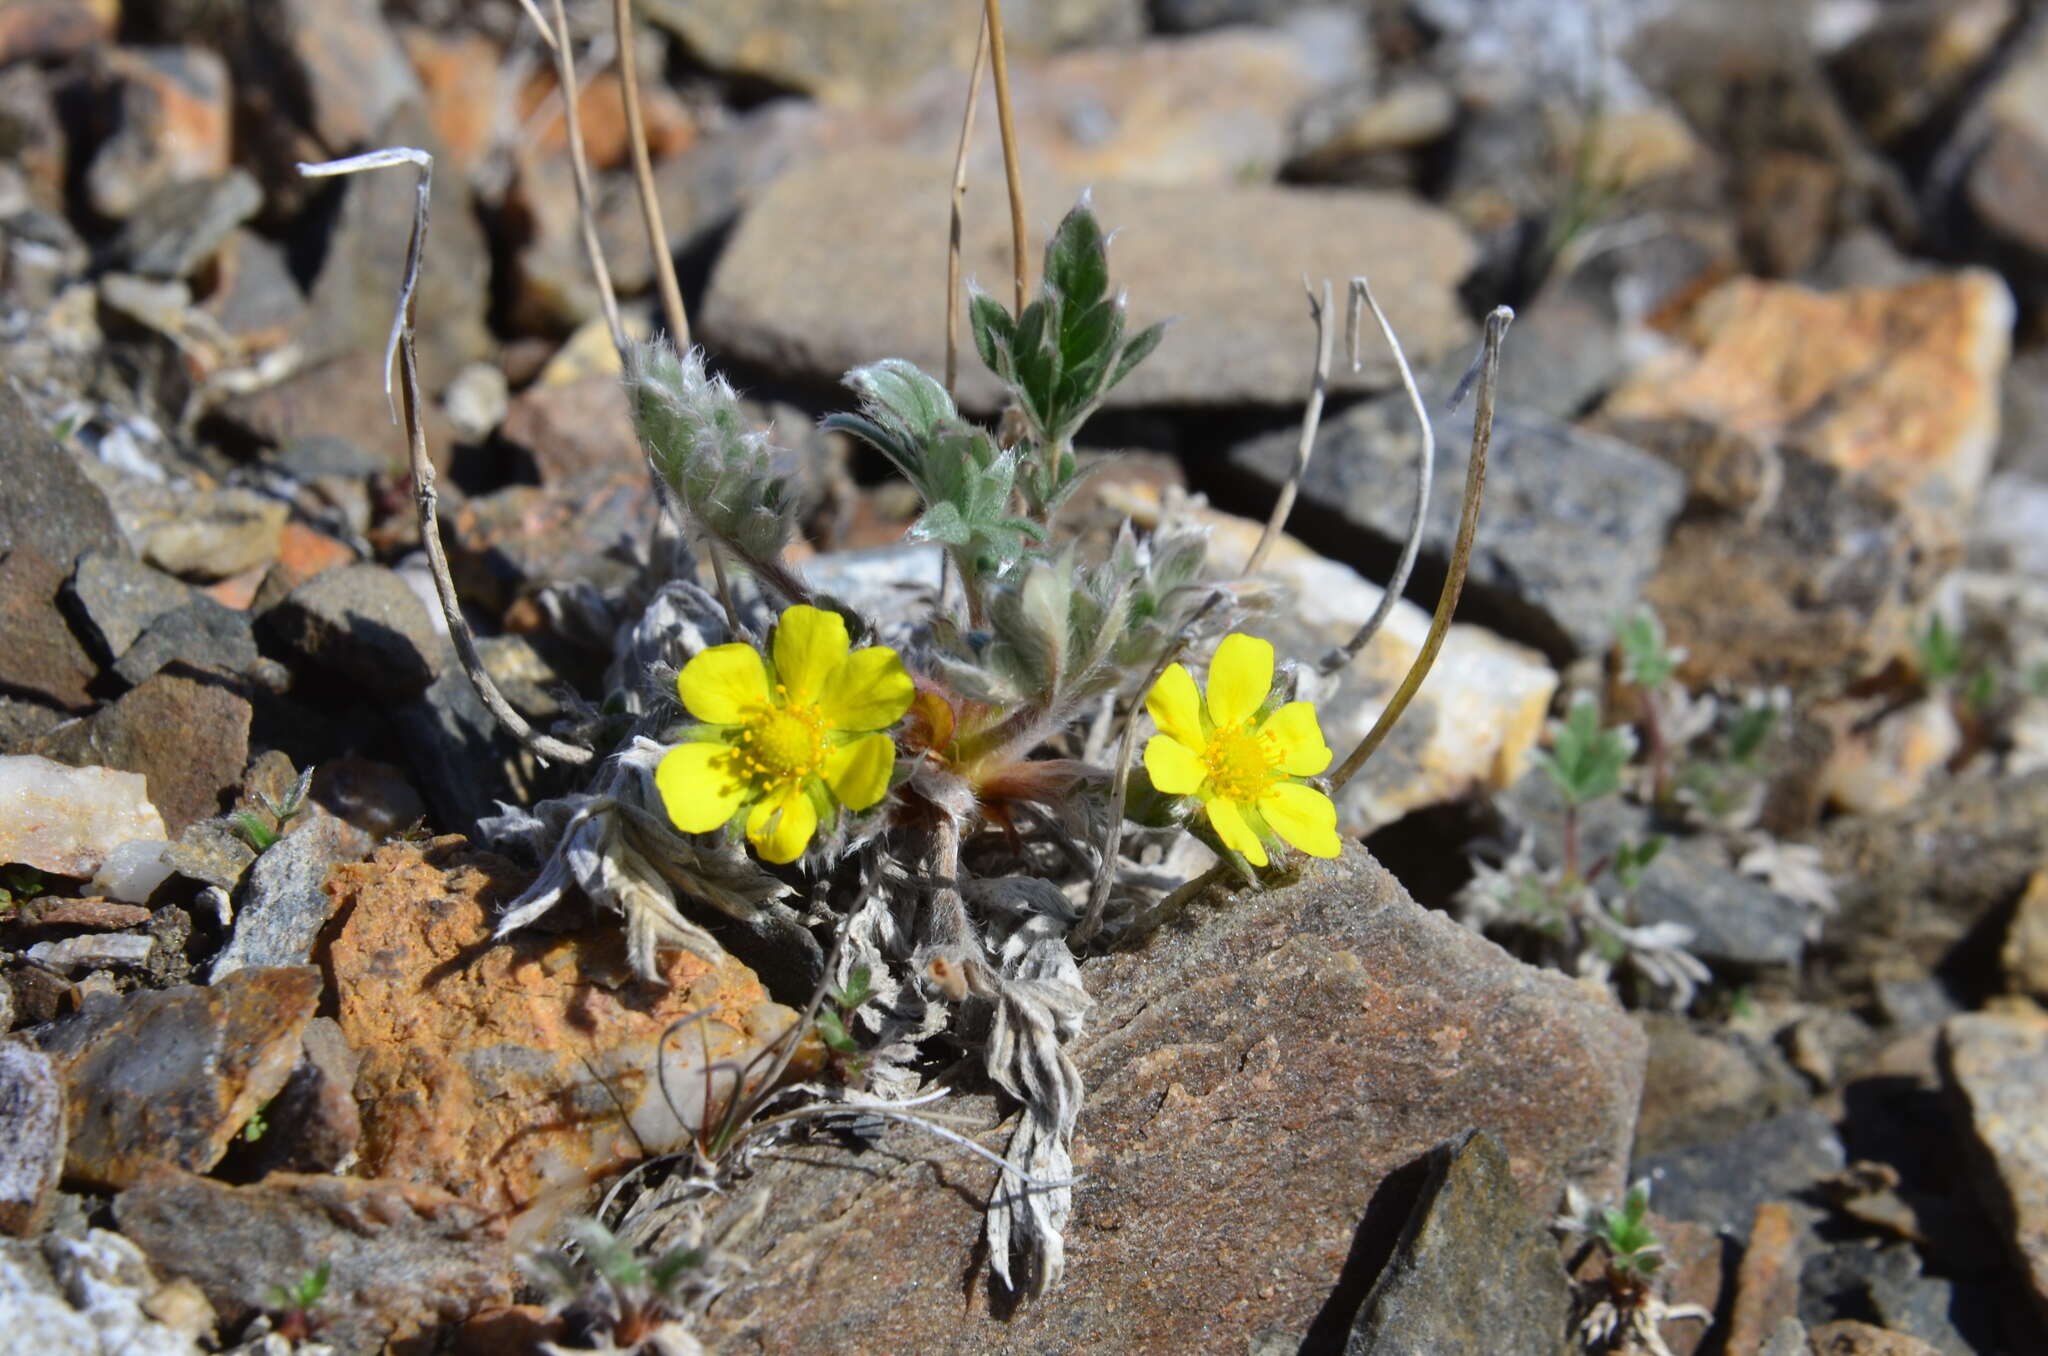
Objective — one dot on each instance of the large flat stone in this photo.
(187, 736)
(1264, 1078)
(812, 290)
(1569, 531)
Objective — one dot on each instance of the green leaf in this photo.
(1752, 726)
(1941, 651)
(832, 1030)
(994, 332)
(1585, 761)
(859, 988)
(1646, 661)
(260, 835)
(1140, 348)
(1077, 258)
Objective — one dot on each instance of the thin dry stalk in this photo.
(1311, 418)
(959, 204)
(579, 165)
(1361, 291)
(992, 15)
(643, 178)
(1461, 554)
(542, 746)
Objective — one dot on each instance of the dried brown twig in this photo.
(1000, 62)
(557, 40)
(643, 179)
(542, 746)
(959, 201)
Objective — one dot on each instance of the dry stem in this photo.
(542, 746)
(1311, 417)
(1461, 554)
(1361, 291)
(579, 165)
(643, 178)
(998, 59)
(959, 201)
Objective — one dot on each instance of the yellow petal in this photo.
(1303, 816)
(780, 829)
(809, 646)
(722, 682)
(1240, 676)
(858, 773)
(870, 691)
(1230, 826)
(1174, 768)
(1297, 739)
(697, 788)
(1176, 707)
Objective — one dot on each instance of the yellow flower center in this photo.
(781, 743)
(1241, 764)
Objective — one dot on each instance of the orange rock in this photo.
(1898, 385)
(601, 112)
(513, 1074)
(189, 95)
(460, 73)
(303, 552)
(237, 590)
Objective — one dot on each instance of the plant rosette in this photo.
(786, 739)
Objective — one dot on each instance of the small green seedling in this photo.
(832, 1020)
(1646, 661)
(18, 884)
(1940, 651)
(1632, 1247)
(1585, 761)
(294, 1305)
(256, 1127)
(263, 836)
(1632, 859)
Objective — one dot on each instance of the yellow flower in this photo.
(785, 738)
(1246, 769)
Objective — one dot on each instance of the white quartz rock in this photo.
(132, 871)
(66, 820)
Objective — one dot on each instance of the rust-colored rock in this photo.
(97, 915)
(168, 1076)
(1767, 1281)
(460, 74)
(582, 425)
(1896, 384)
(498, 1071)
(601, 115)
(1847, 1337)
(401, 1258)
(1259, 1077)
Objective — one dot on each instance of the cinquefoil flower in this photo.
(786, 738)
(1246, 767)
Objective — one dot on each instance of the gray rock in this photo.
(810, 290)
(92, 952)
(46, 500)
(282, 905)
(1569, 534)
(90, 1296)
(1720, 1184)
(210, 850)
(1474, 1273)
(188, 735)
(1707, 1082)
(212, 534)
(202, 634)
(1912, 884)
(31, 1138)
(850, 51)
(342, 61)
(113, 597)
(1735, 919)
(401, 1258)
(458, 752)
(181, 226)
(43, 660)
(1995, 1071)
(363, 624)
(1882, 1285)
(349, 308)
(1289, 1051)
(1187, 16)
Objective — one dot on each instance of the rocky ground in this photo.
(1769, 483)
